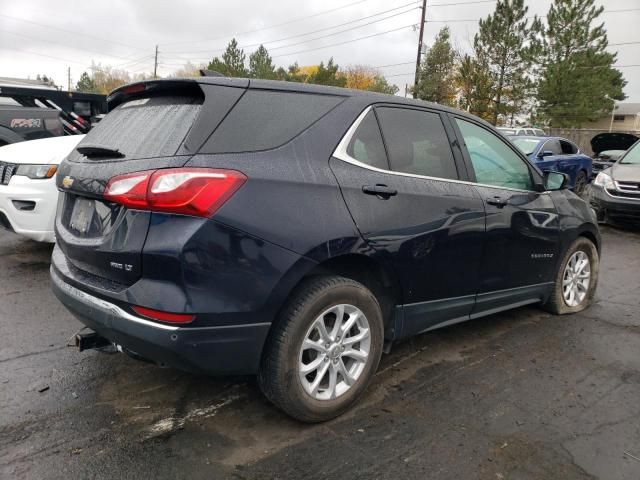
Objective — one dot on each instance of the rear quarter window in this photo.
(265, 119)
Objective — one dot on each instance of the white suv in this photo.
(28, 192)
(521, 131)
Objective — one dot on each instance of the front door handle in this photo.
(379, 190)
(496, 202)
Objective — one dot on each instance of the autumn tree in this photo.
(362, 77)
(578, 81)
(435, 78)
(474, 87)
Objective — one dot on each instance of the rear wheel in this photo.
(324, 349)
(581, 183)
(576, 279)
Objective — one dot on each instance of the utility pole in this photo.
(68, 79)
(424, 13)
(155, 64)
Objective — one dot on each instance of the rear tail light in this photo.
(187, 191)
(164, 316)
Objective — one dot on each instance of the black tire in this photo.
(581, 183)
(278, 377)
(556, 303)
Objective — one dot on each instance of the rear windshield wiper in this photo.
(95, 150)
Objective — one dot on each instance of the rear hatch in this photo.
(151, 125)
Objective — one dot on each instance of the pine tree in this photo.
(474, 86)
(232, 63)
(504, 44)
(86, 84)
(578, 82)
(261, 64)
(435, 79)
(327, 75)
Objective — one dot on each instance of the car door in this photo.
(522, 242)
(549, 163)
(400, 180)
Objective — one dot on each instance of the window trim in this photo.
(536, 178)
(458, 163)
(341, 154)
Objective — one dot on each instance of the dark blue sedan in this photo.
(557, 155)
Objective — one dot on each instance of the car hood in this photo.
(625, 173)
(612, 141)
(44, 151)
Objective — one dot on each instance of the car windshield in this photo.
(632, 156)
(526, 145)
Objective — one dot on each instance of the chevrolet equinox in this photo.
(234, 226)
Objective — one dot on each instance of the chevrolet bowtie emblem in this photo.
(67, 181)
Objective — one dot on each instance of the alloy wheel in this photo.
(576, 279)
(334, 352)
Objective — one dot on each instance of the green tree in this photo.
(327, 75)
(474, 87)
(86, 84)
(232, 63)
(435, 78)
(261, 64)
(504, 43)
(578, 82)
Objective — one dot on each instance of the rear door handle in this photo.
(380, 190)
(496, 202)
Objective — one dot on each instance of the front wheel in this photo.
(323, 350)
(576, 279)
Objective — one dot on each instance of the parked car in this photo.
(608, 148)
(19, 123)
(28, 192)
(294, 231)
(555, 154)
(615, 193)
(519, 131)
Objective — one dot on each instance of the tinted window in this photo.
(147, 127)
(568, 148)
(366, 144)
(552, 146)
(493, 161)
(417, 142)
(265, 119)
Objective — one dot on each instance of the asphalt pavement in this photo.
(518, 395)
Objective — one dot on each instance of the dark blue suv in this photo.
(234, 226)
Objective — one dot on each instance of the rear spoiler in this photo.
(151, 88)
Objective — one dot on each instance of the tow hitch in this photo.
(93, 341)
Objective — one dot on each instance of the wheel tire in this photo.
(279, 379)
(581, 183)
(556, 303)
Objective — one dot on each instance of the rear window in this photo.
(265, 119)
(147, 127)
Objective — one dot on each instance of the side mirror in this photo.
(555, 181)
(546, 153)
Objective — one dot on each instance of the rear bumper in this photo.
(216, 350)
(613, 209)
(35, 223)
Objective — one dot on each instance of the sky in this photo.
(45, 37)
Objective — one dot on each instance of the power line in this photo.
(73, 47)
(317, 31)
(456, 20)
(345, 42)
(288, 22)
(75, 33)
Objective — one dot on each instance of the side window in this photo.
(366, 144)
(417, 142)
(552, 146)
(568, 148)
(493, 161)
